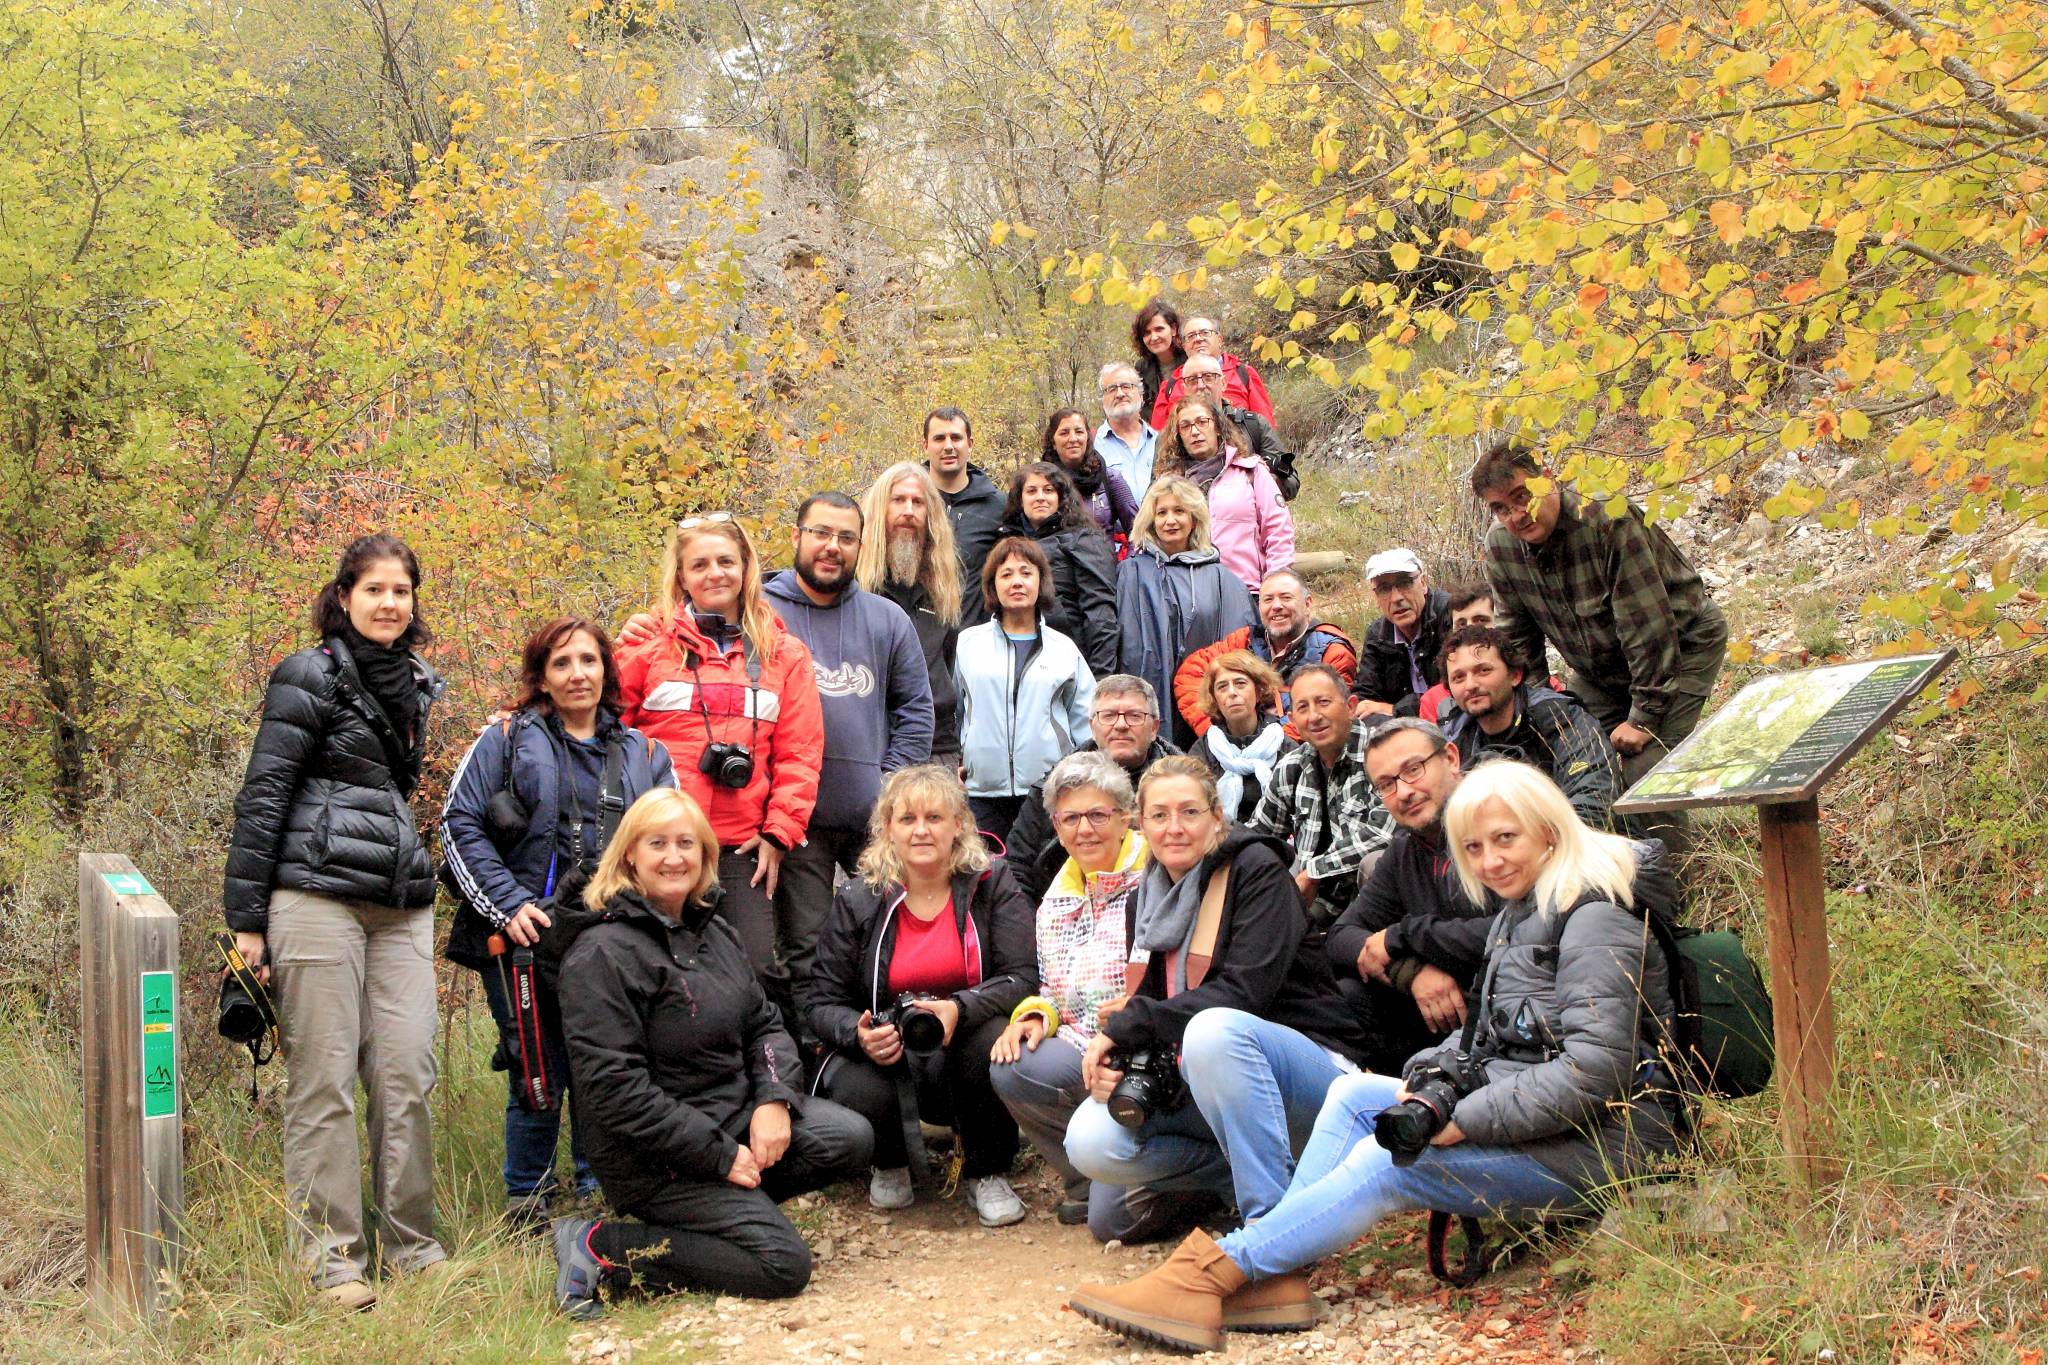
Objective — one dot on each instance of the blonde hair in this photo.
(656, 807)
(1266, 683)
(1196, 771)
(1581, 859)
(880, 865)
(1191, 498)
(939, 570)
(757, 619)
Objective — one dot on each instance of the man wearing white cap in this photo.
(1401, 659)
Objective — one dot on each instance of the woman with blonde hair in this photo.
(1173, 594)
(731, 694)
(687, 1091)
(1551, 1097)
(926, 954)
(907, 556)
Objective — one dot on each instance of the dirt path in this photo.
(929, 1285)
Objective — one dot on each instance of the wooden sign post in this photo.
(134, 1146)
(1774, 746)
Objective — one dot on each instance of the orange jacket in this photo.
(1337, 651)
(677, 688)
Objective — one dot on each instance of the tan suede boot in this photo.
(1179, 1304)
(1281, 1304)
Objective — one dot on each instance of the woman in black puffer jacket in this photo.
(330, 893)
(1045, 506)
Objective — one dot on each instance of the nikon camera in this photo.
(1151, 1085)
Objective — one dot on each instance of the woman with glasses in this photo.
(1024, 687)
(1553, 1098)
(1173, 593)
(1070, 446)
(730, 692)
(1248, 518)
(1155, 336)
(1083, 938)
(1045, 507)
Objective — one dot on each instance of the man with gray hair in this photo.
(1124, 722)
(1204, 374)
(1125, 443)
(1241, 383)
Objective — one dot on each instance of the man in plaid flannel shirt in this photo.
(1319, 799)
(1641, 638)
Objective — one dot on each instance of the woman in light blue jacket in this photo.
(1025, 689)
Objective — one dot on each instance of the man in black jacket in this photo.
(973, 503)
(1403, 655)
(1499, 714)
(907, 556)
(1124, 719)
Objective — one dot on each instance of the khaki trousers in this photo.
(355, 998)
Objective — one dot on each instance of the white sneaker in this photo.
(995, 1203)
(890, 1190)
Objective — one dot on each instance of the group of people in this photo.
(964, 821)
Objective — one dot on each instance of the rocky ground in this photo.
(930, 1285)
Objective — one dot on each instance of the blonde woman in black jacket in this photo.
(330, 893)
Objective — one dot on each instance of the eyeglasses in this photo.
(1125, 387)
(1131, 718)
(845, 540)
(708, 519)
(1098, 819)
(1196, 423)
(1202, 376)
(1393, 582)
(1409, 772)
(1199, 332)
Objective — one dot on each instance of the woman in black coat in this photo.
(1045, 506)
(687, 1087)
(927, 953)
(330, 894)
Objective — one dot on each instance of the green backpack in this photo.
(1723, 1033)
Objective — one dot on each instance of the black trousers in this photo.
(960, 1094)
(1394, 1028)
(803, 900)
(713, 1236)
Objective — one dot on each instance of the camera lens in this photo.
(922, 1031)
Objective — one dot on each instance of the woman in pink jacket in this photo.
(1248, 519)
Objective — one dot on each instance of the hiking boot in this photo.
(579, 1271)
(1281, 1304)
(1179, 1304)
(352, 1296)
(891, 1190)
(995, 1203)
(527, 1214)
(1071, 1212)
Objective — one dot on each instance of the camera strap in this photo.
(752, 702)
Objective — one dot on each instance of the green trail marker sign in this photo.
(159, 1045)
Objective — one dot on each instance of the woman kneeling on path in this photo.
(1550, 1104)
(925, 955)
(686, 1085)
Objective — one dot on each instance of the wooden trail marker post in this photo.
(134, 1144)
(1774, 746)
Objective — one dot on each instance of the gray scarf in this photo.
(1165, 917)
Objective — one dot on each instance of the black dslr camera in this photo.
(247, 1015)
(922, 1031)
(729, 765)
(1151, 1085)
(1406, 1128)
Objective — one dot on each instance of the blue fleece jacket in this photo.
(876, 692)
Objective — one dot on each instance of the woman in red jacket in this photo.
(731, 693)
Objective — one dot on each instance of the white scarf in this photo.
(1254, 760)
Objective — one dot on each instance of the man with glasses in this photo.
(877, 699)
(1403, 649)
(1241, 383)
(1124, 722)
(1319, 800)
(1642, 639)
(1125, 441)
(1204, 374)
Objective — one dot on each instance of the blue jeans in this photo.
(1254, 1090)
(1346, 1182)
(531, 1138)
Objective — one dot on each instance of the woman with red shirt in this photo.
(931, 938)
(730, 693)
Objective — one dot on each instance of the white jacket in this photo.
(1015, 725)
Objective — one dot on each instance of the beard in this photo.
(1122, 411)
(906, 554)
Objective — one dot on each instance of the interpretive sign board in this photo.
(1783, 736)
(1773, 746)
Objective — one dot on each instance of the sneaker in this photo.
(578, 1270)
(995, 1203)
(890, 1190)
(353, 1296)
(1071, 1213)
(527, 1214)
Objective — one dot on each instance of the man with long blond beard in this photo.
(907, 556)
